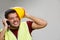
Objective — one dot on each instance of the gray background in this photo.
(46, 9)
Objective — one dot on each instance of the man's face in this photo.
(14, 20)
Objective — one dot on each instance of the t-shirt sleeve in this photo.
(29, 23)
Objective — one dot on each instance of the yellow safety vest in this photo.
(23, 33)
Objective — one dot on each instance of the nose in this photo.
(15, 19)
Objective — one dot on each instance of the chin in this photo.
(15, 26)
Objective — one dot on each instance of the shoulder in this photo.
(29, 22)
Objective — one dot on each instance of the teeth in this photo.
(15, 22)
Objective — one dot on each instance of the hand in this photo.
(26, 15)
(4, 23)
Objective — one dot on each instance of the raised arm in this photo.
(37, 22)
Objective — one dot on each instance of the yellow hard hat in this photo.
(20, 11)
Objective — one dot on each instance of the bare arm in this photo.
(37, 22)
(2, 33)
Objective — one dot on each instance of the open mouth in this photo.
(15, 23)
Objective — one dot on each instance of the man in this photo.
(14, 24)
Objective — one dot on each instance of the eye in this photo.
(11, 18)
(17, 17)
